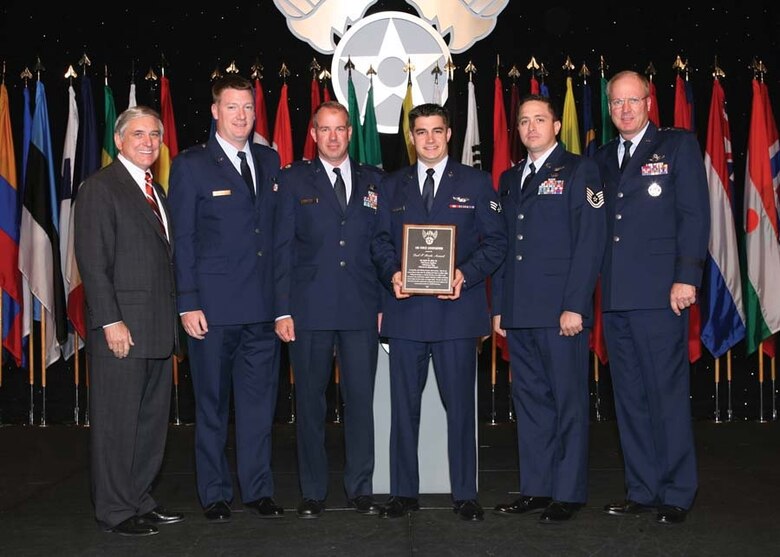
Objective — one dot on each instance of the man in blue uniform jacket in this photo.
(657, 234)
(553, 205)
(444, 327)
(327, 296)
(222, 196)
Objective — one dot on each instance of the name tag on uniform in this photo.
(309, 200)
(220, 193)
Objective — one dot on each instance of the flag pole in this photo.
(598, 390)
(43, 367)
(761, 383)
(291, 397)
(86, 382)
(729, 409)
(30, 361)
(493, 378)
(76, 410)
(774, 391)
(717, 391)
(337, 382)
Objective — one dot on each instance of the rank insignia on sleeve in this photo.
(596, 199)
(495, 206)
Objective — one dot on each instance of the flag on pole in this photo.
(683, 109)
(723, 317)
(653, 114)
(501, 158)
(10, 277)
(544, 90)
(683, 118)
(169, 147)
(356, 143)
(87, 153)
(516, 147)
(39, 254)
(406, 152)
(309, 146)
(131, 102)
(589, 130)
(283, 142)
(472, 155)
(88, 150)
(451, 104)
(66, 193)
(762, 251)
(262, 136)
(570, 126)
(371, 143)
(31, 308)
(774, 164)
(109, 110)
(534, 87)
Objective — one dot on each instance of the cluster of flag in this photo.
(38, 273)
(40, 280)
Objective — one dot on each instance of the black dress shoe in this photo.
(310, 508)
(524, 504)
(134, 527)
(469, 510)
(364, 504)
(160, 515)
(266, 508)
(627, 508)
(558, 511)
(218, 512)
(668, 514)
(396, 507)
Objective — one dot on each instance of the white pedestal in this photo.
(432, 449)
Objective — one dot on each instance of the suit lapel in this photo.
(135, 198)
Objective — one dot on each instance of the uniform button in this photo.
(521, 216)
(343, 222)
(519, 257)
(342, 243)
(260, 254)
(620, 194)
(617, 238)
(257, 231)
(618, 216)
(343, 263)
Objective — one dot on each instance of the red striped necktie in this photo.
(152, 201)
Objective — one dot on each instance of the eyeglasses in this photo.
(633, 102)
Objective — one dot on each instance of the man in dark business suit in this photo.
(553, 206)
(327, 296)
(444, 327)
(222, 197)
(125, 257)
(657, 233)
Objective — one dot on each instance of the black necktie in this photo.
(427, 192)
(529, 177)
(626, 155)
(246, 174)
(341, 189)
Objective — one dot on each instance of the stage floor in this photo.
(45, 505)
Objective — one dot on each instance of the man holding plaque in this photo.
(543, 304)
(438, 196)
(327, 298)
